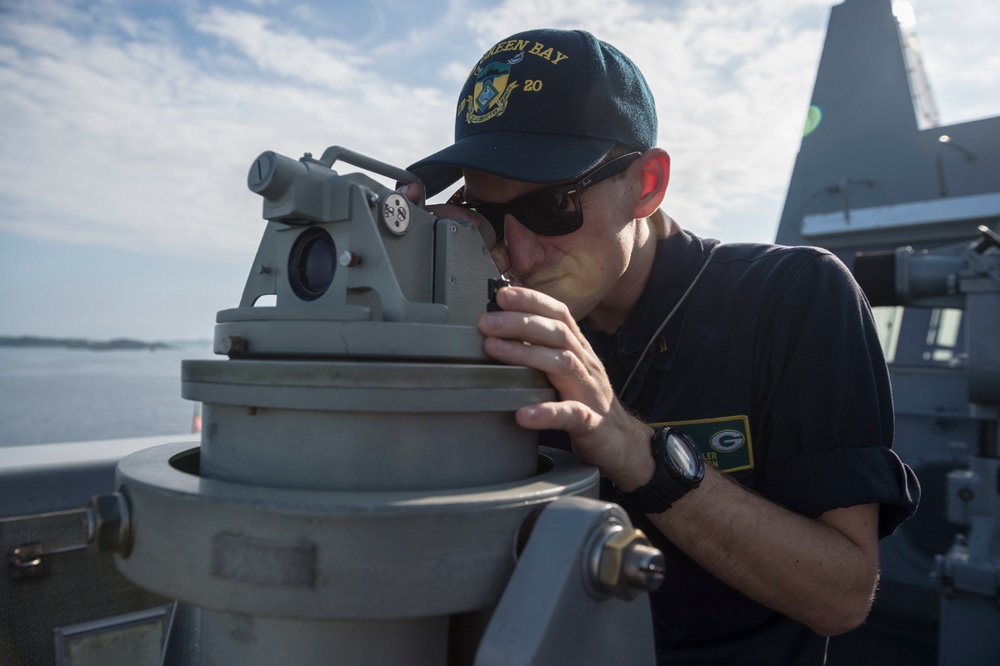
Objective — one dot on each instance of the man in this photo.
(765, 357)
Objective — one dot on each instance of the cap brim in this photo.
(532, 158)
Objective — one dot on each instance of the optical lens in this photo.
(312, 264)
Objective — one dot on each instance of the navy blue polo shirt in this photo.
(772, 364)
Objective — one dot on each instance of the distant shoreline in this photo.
(81, 343)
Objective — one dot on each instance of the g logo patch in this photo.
(726, 441)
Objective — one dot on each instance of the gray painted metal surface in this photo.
(361, 480)
(876, 172)
(548, 614)
(364, 425)
(360, 487)
(869, 159)
(305, 554)
(43, 478)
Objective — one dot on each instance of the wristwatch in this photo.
(679, 470)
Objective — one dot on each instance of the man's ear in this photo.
(654, 175)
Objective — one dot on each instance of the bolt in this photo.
(348, 258)
(109, 523)
(27, 561)
(625, 563)
(372, 199)
(233, 344)
(644, 567)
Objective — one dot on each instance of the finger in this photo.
(533, 317)
(568, 371)
(501, 258)
(566, 415)
(411, 191)
(451, 212)
(523, 299)
(574, 418)
(522, 327)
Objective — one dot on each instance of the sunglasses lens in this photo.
(494, 214)
(552, 212)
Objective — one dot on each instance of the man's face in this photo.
(581, 268)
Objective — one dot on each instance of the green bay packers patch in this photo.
(724, 441)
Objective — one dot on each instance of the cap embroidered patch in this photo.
(490, 95)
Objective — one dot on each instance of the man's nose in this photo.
(523, 249)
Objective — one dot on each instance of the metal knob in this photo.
(109, 523)
(624, 563)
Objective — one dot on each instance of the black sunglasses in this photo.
(554, 211)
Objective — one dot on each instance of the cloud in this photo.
(958, 50)
(327, 63)
(142, 144)
(135, 130)
(733, 105)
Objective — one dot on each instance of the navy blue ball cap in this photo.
(544, 106)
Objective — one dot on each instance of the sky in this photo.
(127, 127)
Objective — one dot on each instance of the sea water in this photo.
(50, 394)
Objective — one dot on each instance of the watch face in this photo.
(681, 456)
